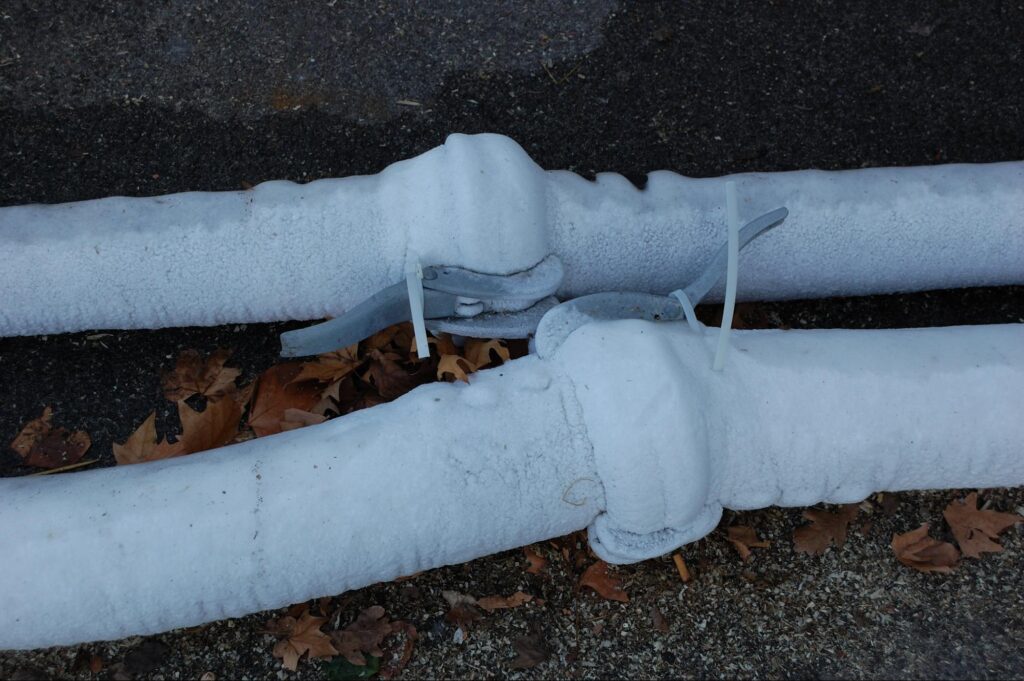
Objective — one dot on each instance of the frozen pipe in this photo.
(289, 251)
(624, 429)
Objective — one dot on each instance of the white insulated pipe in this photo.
(624, 429)
(287, 251)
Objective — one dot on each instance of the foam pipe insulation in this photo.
(289, 251)
(624, 429)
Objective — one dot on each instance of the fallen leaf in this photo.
(331, 366)
(398, 648)
(390, 378)
(142, 446)
(658, 620)
(598, 578)
(215, 426)
(919, 551)
(825, 528)
(745, 538)
(684, 572)
(276, 392)
(297, 418)
(532, 650)
(43, 446)
(462, 611)
(890, 502)
(976, 530)
(492, 603)
(363, 636)
(479, 352)
(458, 367)
(537, 561)
(441, 344)
(192, 376)
(397, 337)
(301, 636)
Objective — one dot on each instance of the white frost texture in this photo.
(287, 251)
(624, 429)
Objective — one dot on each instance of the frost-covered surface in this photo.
(625, 430)
(286, 251)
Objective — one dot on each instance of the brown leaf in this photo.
(142, 446)
(462, 610)
(331, 366)
(919, 551)
(492, 603)
(363, 636)
(441, 344)
(191, 376)
(745, 538)
(598, 578)
(658, 620)
(302, 636)
(457, 367)
(537, 562)
(397, 337)
(392, 379)
(215, 426)
(976, 530)
(825, 528)
(532, 650)
(394, 659)
(43, 446)
(297, 418)
(479, 352)
(276, 392)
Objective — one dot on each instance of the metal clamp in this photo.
(455, 300)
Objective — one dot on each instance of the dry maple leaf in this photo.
(276, 392)
(479, 352)
(215, 426)
(745, 538)
(458, 367)
(825, 528)
(302, 636)
(390, 378)
(598, 578)
(462, 611)
(919, 551)
(975, 529)
(297, 418)
(537, 562)
(191, 376)
(43, 446)
(395, 337)
(492, 603)
(363, 636)
(331, 366)
(142, 446)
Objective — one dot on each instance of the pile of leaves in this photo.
(215, 411)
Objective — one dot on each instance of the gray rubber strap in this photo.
(377, 312)
(696, 291)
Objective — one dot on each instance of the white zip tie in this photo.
(414, 285)
(732, 215)
(691, 314)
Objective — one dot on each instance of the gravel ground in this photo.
(101, 99)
